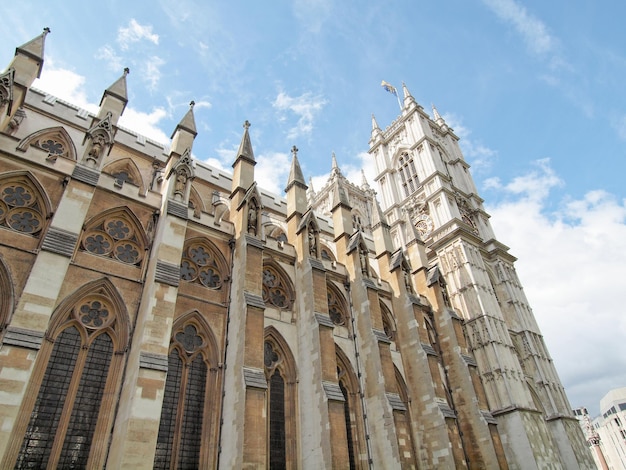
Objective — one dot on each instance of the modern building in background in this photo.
(609, 430)
(159, 313)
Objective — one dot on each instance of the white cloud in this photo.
(478, 155)
(108, 54)
(571, 263)
(146, 124)
(306, 107)
(66, 85)
(135, 32)
(533, 31)
(619, 125)
(153, 72)
(272, 171)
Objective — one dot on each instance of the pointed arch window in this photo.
(125, 170)
(116, 236)
(200, 265)
(281, 426)
(389, 325)
(350, 389)
(22, 207)
(408, 174)
(276, 289)
(188, 390)
(72, 410)
(56, 141)
(336, 306)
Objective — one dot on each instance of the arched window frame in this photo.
(278, 291)
(54, 140)
(389, 322)
(350, 387)
(205, 348)
(337, 306)
(203, 264)
(7, 299)
(283, 363)
(21, 193)
(72, 314)
(116, 234)
(409, 179)
(129, 167)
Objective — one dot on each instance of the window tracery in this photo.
(281, 393)
(56, 141)
(336, 307)
(21, 207)
(199, 265)
(114, 237)
(182, 424)
(275, 288)
(83, 359)
(388, 323)
(408, 174)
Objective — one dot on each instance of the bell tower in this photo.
(425, 181)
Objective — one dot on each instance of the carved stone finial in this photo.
(192, 104)
(46, 30)
(126, 71)
(294, 151)
(246, 125)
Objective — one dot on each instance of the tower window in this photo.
(408, 174)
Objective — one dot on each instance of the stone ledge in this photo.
(153, 361)
(28, 339)
(324, 320)
(254, 378)
(86, 175)
(60, 242)
(177, 209)
(333, 392)
(253, 300)
(167, 273)
(395, 401)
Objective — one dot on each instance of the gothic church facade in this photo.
(159, 313)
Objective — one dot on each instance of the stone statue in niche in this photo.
(312, 243)
(253, 214)
(407, 280)
(181, 182)
(364, 262)
(97, 146)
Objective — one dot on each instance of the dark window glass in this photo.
(346, 411)
(44, 419)
(277, 422)
(191, 431)
(84, 417)
(165, 439)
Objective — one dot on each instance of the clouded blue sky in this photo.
(534, 89)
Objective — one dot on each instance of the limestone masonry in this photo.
(159, 313)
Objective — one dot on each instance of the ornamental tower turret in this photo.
(425, 181)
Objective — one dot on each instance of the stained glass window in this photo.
(20, 208)
(199, 265)
(114, 237)
(275, 289)
(180, 436)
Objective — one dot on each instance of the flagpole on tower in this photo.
(391, 89)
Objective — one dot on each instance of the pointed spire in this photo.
(339, 197)
(411, 232)
(364, 184)
(374, 123)
(245, 147)
(408, 98)
(34, 49)
(378, 217)
(334, 170)
(438, 119)
(188, 122)
(295, 174)
(310, 193)
(118, 90)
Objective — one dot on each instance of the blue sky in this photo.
(534, 89)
